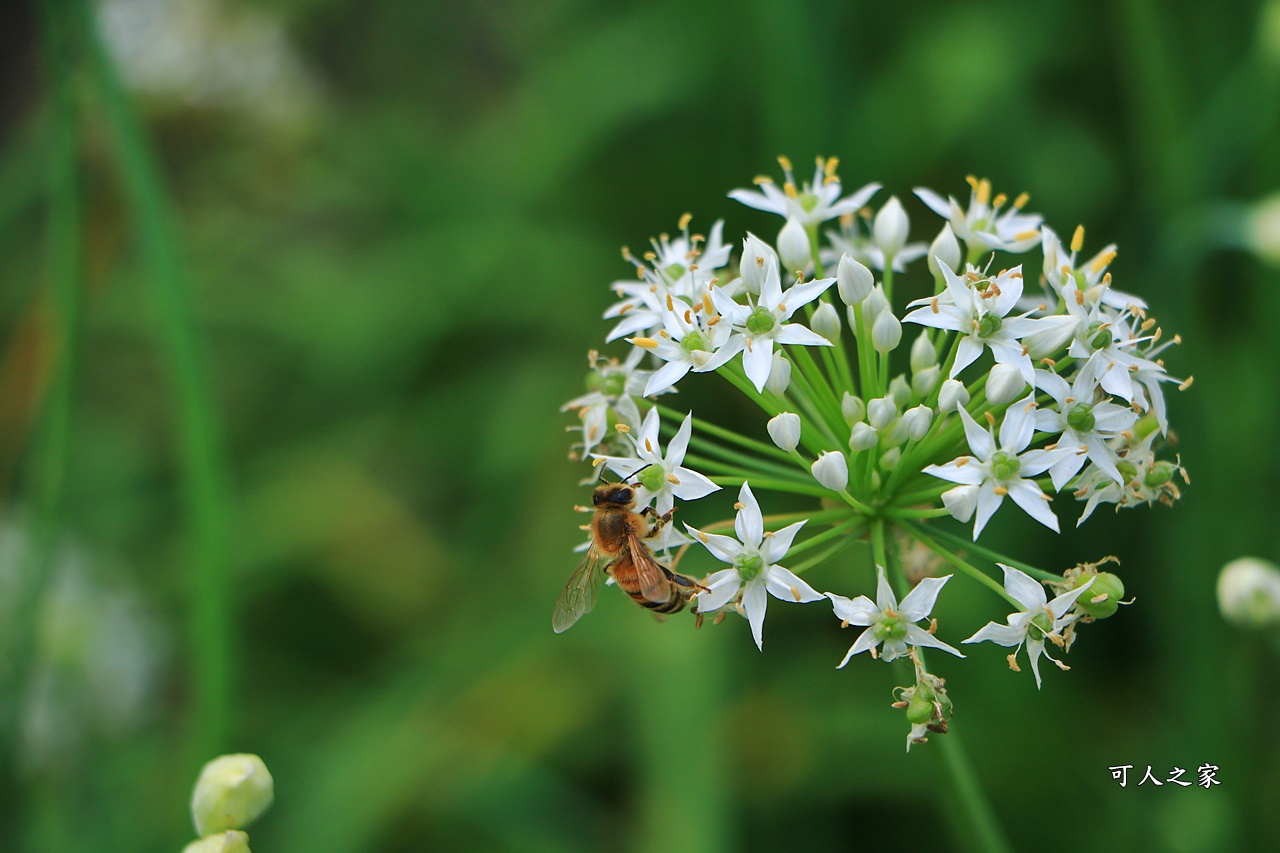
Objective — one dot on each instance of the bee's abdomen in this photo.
(625, 576)
(674, 604)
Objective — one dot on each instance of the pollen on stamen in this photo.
(962, 461)
(1103, 261)
(647, 343)
(795, 593)
(664, 333)
(934, 305)
(1048, 362)
(991, 419)
(983, 191)
(652, 256)
(1021, 201)
(1013, 662)
(684, 221)
(1077, 239)
(933, 625)
(768, 534)
(1079, 297)
(758, 180)
(1001, 491)
(999, 200)
(713, 320)
(739, 505)
(671, 478)
(1025, 235)
(791, 191)
(829, 169)
(648, 445)
(1031, 404)
(1186, 383)
(596, 463)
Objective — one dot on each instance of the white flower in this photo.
(662, 478)
(753, 557)
(890, 623)
(793, 246)
(976, 306)
(983, 223)
(816, 202)
(1085, 425)
(689, 340)
(612, 385)
(890, 228)
(944, 251)
(762, 325)
(1038, 619)
(886, 332)
(1004, 468)
(854, 280)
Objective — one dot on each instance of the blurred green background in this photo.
(326, 271)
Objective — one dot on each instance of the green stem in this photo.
(700, 425)
(972, 799)
(205, 489)
(818, 559)
(826, 535)
(995, 557)
(813, 490)
(918, 532)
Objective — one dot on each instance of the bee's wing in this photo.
(655, 584)
(579, 594)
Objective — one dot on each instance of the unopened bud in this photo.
(863, 437)
(1249, 593)
(756, 259)
(779, 374)
(890, 228)
(853, 280)
(852, 408)
(900, 391)
(874, 304)
(832, 470)
(231, 841)
(784, 429)
(886, 332)
(826, 322)
(923, 353)
(230, 794)
(1004, 385)
(953, 395)
(917, 421)
(793, 246)
(944, 250)
(881, 411)
(924, 381)
(890, 458)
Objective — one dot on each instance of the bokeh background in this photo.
(291, 292)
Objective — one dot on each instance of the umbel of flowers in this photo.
(1019, 377)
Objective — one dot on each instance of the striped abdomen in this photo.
(625, 576)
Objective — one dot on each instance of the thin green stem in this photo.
(825, 536)
(777, 485)
(204, 472)
(917, 531)
(700, 425)
(972, 798)
(994, 556)
(820, 558)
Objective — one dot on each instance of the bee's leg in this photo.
(687, 582)
(657, 521)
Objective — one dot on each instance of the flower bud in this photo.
(863, 437)
(890, 228)
(230, 794)
(961, 502)
(1051, 335)
(832, 470)
(779, 374)
(1004, 385)
(923, 353)
(852, 408)
(900, 391)
(756, 258)
(924, 381)
(944, 250)
(953, 395)
(881, 411)
(874, 304)
(1262, 230)
(886, 332)
(826, 322)
(890, 458)
(231, 841)
(853, 280)
(784, 429)
(917, 422)
(793, 246)
(1249, 593)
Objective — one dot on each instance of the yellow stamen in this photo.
(1025, 235)
(1021, 201)
(1077, 239)
(684, 221)
(647, 343)
(785, 163)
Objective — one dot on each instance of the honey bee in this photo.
(618, 549)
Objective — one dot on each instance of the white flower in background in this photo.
(1249, 593)
(976, 307)
(689, 340)
(1039, 619)
(816, 202)
(755, 574)
(944, 251)
(1085, 425)
(888, 622)
(762, 325)
(1000, 469)
(850, 240)
(890, 228)
(681, 268)
(982, 222)
(661, 478)
(1089, 278)
(612, 385)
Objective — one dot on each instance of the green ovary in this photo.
(1004, 466)
(1081, 418)
(749, 566)
(760, 321)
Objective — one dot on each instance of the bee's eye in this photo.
(621, 496)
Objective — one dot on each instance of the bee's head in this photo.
(617, 494)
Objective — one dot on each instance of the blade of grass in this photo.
(204, 472)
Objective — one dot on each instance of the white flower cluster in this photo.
(1008, 391)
